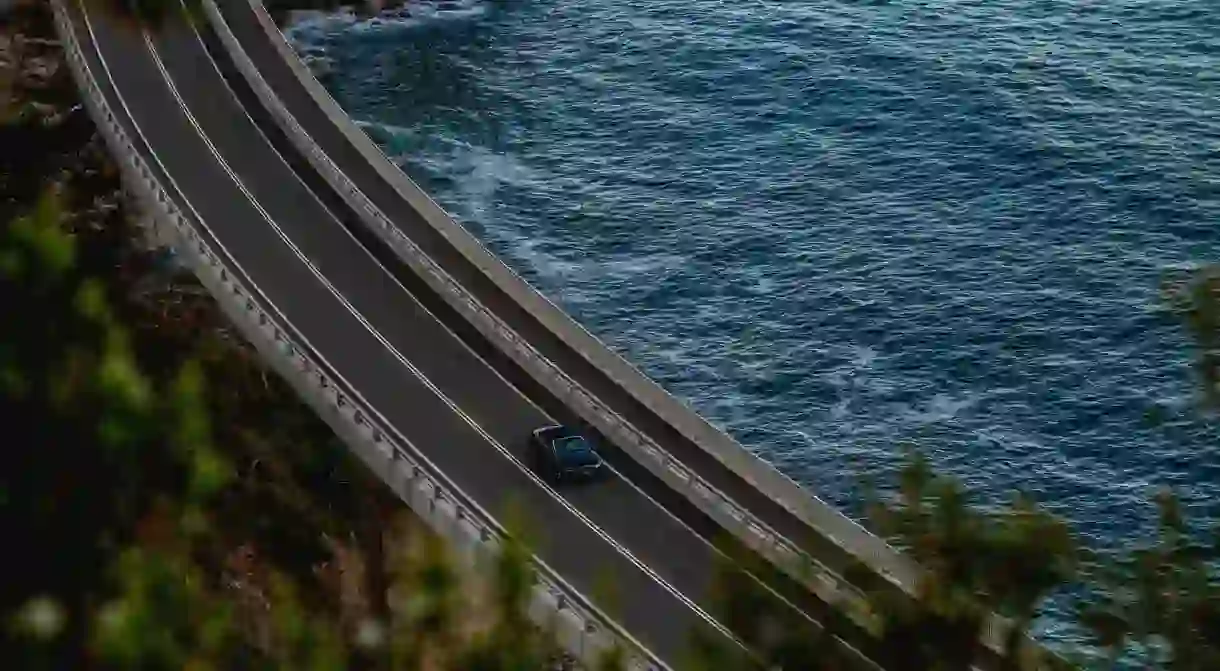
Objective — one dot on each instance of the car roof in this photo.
(574, 450)
(571, 441)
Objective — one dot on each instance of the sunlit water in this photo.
(838, 227)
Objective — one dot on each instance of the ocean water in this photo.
(836, 228)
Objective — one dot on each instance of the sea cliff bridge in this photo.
(433, 360)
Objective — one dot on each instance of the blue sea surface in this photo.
(835, 228)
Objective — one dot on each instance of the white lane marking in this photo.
(466, 346)
(416, 372)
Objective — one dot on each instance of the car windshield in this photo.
(575, 451)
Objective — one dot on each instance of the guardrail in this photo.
(798, 564)
(581, 628)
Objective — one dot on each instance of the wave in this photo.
(309, 28)
(422, 13)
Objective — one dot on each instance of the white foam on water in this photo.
(636, 267)
(389, 129)
(308, 26)
(418, 14)
(548, 266)
(479, 173)
(852, 373)
(482, 173)
(841, 409)
(939, 408)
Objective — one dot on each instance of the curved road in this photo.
(294, 241)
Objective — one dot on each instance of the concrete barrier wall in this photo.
(733, 517)
(582, 629)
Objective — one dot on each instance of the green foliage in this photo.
(777, 635)
(1195, 297)
(82, 416)
(1158, 606)
(975, 564)
(1161, 602)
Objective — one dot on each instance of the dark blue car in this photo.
(562, 454)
